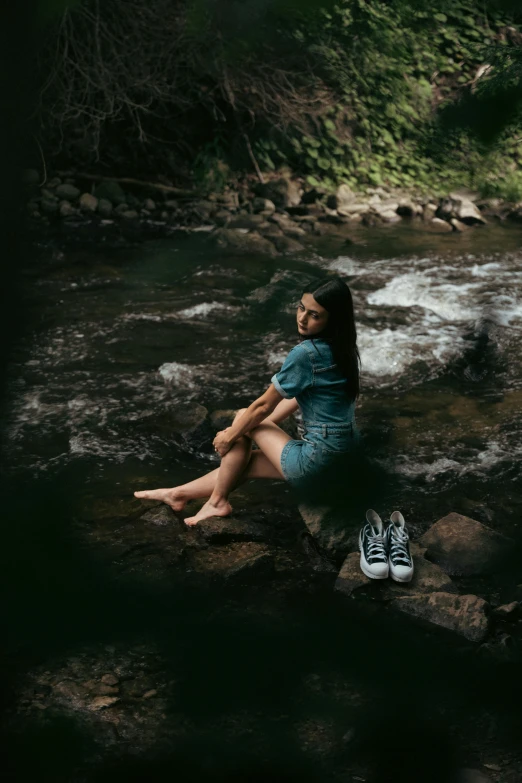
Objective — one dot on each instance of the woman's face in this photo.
(311, 317)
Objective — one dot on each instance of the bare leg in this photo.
(271, 439)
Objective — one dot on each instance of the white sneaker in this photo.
(398, 548)
(374, 560)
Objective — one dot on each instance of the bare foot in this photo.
(172, 497)
(221, 509)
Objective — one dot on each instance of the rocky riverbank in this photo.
(271, 218)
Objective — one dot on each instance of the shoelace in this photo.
(376, 546)
(398, 546)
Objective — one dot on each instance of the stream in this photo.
(130, 355)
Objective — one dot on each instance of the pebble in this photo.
(110, 679)
(149, 694)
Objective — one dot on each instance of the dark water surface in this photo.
(123, 347)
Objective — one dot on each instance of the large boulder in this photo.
(283, 192)
(462, 546)
(427, 578)
(459, 206)
(111, 191)
(328, 527)
(67, 192)
(344, 196)
(466, 615)
(243, 244)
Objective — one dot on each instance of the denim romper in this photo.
(310, 375)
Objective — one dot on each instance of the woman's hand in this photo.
(222, 443)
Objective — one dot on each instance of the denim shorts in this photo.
(322, 446)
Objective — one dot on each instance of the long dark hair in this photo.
(340, 331)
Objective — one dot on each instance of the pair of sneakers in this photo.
(385, 551)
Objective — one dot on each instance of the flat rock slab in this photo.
(223, 530)
(462, 546)
(237, 561)
(329, 528)
(427, 578)
(463, 614)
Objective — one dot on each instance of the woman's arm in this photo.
(254, 415)
(283, 410)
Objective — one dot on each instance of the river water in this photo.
(126, 344)
(121, 338)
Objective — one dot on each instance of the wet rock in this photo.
(185, 419)
(462, 546)
(350, 576)
(328, 527)
(67, 192)
(223, 530)
(246, 221)
(88, 203)
(283, 192)
(503, 648)
(263, 205)
(149, 204)
(150, 694)
(390, 216)
(465, 615)
(109, 679)
(428, 212)
(472, 776)
(344, 196)
(161, 516)
(243, 244)
(459, 226)
(294, 232)
(439, 226)
(317, 559)
(236, 562)
(129, 214)
(121, 208)
(222, 217)
(407, 208)
(427, 578)
(104, 208)
(457, 205)
(507, 611)
(102, 702)
(111, 191)
(287, 245)
(67, 209)
(221, 419)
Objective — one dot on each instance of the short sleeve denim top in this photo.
(310, 374)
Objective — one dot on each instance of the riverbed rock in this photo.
(507, 611)
(439, 226)
(459, 226)
(427, 578)
(344, 196)
(49, 205)
(328, 527)
(287, 245)
(263, 205)
(112, 191)
(237, 562)
(104, 208)
(466, 615)
(224, 530)
(243, 244)
(88, 202)
(462, 546)
(67, 209)
(458, 206)
(428, 212)
(246, 221)
(350, 577)
(67, 192)
(282, 192)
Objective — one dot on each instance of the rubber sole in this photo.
(402, 581)
(367, 573)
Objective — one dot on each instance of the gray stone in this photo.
(246, 221)
(112, 191)
(459, 226)
(149, 204)
(161, 516)
(221, 419)
(186, 418)
(507, 611)
(283, 192)
(428, 213)
(109, 679)
(329, 528)
(67, 209)
(88, 203)
(463, 546)
(344, 196)
(287, 245)
(129, 214)
(121, 208)
(439, 226)
(389, 216)
(465, 615)
(102, 702)
(294, 232)
(263, 205)
(350, 577)
(104, 208)
(223, 530)
(460, 207)
(427, 578)
(67, 192)
(243, 244)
